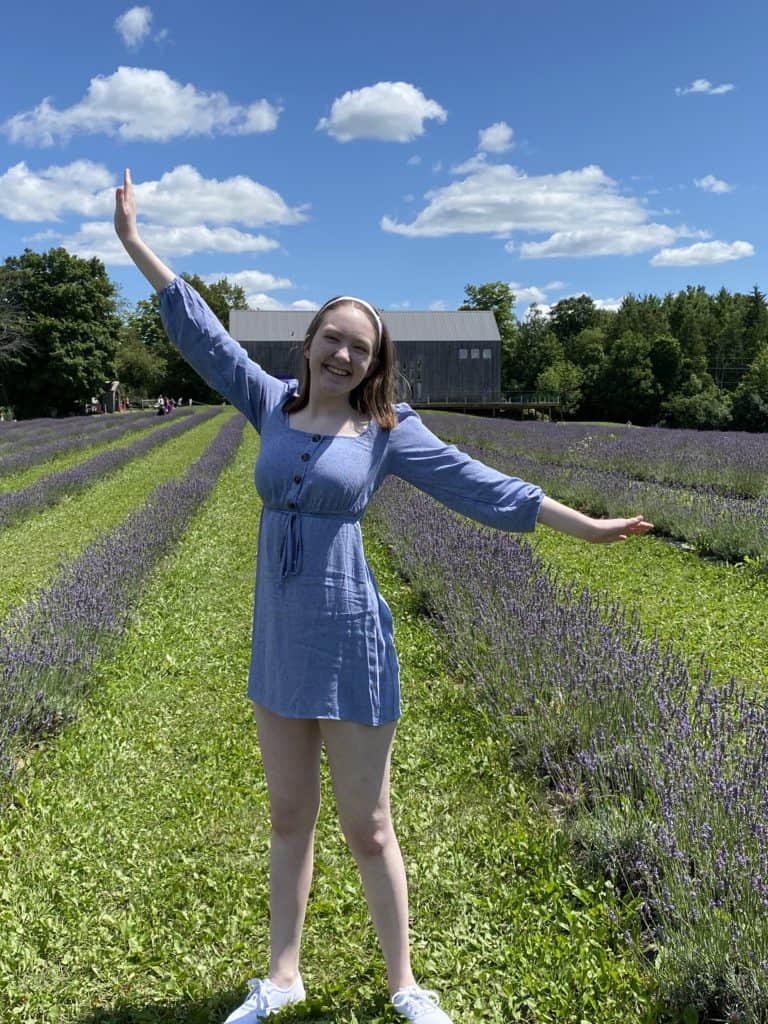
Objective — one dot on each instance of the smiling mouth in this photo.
(335, 372)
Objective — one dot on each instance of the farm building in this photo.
(440, 356)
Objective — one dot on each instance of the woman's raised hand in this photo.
(125, 210)
(152, 267)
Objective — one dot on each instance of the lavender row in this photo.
(49, 645)
(49, 489)
(729, 528)
(14, 436)
(66, 442)
(733, 463)
(662, 783)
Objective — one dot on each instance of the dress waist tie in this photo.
(291, 548)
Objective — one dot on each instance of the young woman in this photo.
(324, 669)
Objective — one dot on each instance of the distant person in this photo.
(324, 669)
(160, 406)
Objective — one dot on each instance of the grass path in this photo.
(31, 550)
(133, 860)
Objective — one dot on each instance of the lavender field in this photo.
(655, 774)
(705, 488)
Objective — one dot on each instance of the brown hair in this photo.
(374, 396)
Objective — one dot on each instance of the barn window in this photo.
(475, 353)
(462, 353)
(486, 353)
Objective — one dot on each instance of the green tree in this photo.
(627, 388)
(69, 307)
(667, 362)
(569, 317)
(644, 316)
(692, 323)
(536, 348)
(566, 379)
(755, 325)
(750, 403)
(145, 327)
(498, 298)
(139, 366)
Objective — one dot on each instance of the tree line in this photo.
(687, 359)
(65, 331)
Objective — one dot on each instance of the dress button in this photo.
(291, 504)
(316, 437)
(297, 479)
(306, 457)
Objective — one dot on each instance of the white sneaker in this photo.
(265, 998)
(420, 1004)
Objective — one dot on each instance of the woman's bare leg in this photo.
(290, 751)
(359, 759)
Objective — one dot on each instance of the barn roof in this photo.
(291, 325)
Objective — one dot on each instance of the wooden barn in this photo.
(440, 356)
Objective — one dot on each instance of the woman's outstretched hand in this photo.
(597, 531)
(609, 530)
(125, 210)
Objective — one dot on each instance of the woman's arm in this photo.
(596, 531)
(194, 329)
(484, 494)
(151, 266)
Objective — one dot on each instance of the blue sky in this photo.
(396, 151)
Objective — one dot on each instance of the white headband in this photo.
(354, 298)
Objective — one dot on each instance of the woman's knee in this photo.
(294, 816)
(370, 837)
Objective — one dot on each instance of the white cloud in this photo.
(252, 280)
(610, 304)
(703, 253)
(438, 306)
(261, 301)
(388, 111)
(27, 195)
(437, 167)
(529, 294)
(414, 161)
(709, 183)
(140, 103)
(184, 196)
(180, 197)
(133, 25)
(496, 139)
(474, 163)
(703, 85)
(606, 241)
(532, 293)
(98, 238)
(582, 211)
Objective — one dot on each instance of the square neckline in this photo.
(316, 433)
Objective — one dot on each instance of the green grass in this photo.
(133, 862)
(32, 549)
(698, 604)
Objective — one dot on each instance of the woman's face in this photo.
(341, 354)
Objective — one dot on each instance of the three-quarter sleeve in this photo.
(221, 361)
(462, 483)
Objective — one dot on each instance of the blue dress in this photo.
(323, 637)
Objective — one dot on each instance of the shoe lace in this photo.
(416, 1001)
(258, 997)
